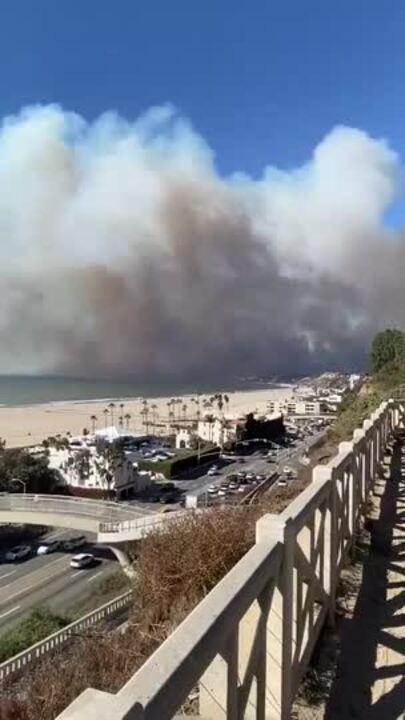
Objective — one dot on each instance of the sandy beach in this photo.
(30, 424)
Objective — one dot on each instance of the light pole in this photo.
(24, 484)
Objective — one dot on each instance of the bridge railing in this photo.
(248, 643)
(147, 523)
(66, 505)
(49, 644)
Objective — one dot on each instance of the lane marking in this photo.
(17, 607)
(79, 572)
(7, 574)
(27, 588)
(93, 577)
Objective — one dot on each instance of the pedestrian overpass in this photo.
(113, 523)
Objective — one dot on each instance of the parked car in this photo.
(48, 547)
(82, 561)
(282, 482)
(213, 470)
(73, 543)
(19, 552)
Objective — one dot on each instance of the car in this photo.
(19, 552)
(48, 547)
(282, 482)
(82, 561)
(73, 543)
(168, 498)
(167, 487)
(213, 471)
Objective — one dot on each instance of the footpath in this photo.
(370, 678)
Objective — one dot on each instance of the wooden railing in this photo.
(247, 645)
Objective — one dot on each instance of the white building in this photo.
(82, 465)
(218, 430)
(184, 438)
(296, 406)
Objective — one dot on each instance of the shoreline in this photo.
(27, 425)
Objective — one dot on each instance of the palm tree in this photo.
(121, 417)
(184, 409)
(93, 419)
(111, 405)
(145, 414)
(127, 417)
(105, 413)
(154, 415)
(226, 398)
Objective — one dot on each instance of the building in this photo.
(98, 466)
(221, 430)
(184, 438)
(297, 406)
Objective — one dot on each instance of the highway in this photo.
(48, 580)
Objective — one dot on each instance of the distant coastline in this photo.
(16, 391)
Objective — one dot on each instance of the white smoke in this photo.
(123, 251)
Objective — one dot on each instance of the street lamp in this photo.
(24, 484)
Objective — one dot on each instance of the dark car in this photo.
(75, 542)
(168, 498)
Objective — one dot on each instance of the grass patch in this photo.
(102, 592)
(41, 623)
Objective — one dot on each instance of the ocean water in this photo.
(30, 390)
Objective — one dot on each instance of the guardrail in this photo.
(63, 504)
(56, 640)
(147, 523)
(248, 643)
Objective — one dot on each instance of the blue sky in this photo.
(262, 81)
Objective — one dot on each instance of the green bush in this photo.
(32, 629)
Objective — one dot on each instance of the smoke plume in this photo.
(124, 252)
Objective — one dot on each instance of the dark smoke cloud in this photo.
(123, 252)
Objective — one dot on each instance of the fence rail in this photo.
(106, 510)
(248, 643)
(56, 640)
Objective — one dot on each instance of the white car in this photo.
(282, 482)
(213, 471)
(82, 560)
(48, 547)
(19, 552)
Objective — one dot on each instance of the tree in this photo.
(111, 406)
(154, 415)
(32, 470)
(127, 419)
(121, 417)
(387, 346)
(105, 413)
(93, 419)
(110, 459)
